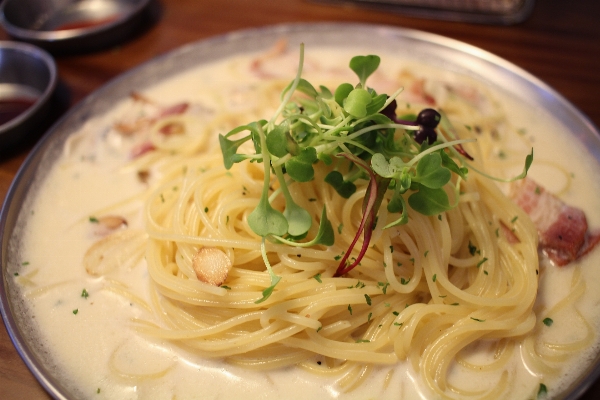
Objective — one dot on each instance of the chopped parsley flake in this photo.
(318, 278)
(205, 209)
(25, 263)
(350, 309)
(75, 311)
(434, 277)
(404, 281)
(84, 294)
(481, 262)
(515, 218)
(478, 320)
(94, 220)
(548, 321)
(368, 299)
(542, 391)
(225, 287)
(396, 313)
(473, 249)
(383, 286)
(340, 227)
(369, 316)
(363, 341)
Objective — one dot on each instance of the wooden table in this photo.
(559, 43)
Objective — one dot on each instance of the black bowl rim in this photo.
(40, 36)
(50, 63)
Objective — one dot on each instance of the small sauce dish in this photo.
(72, 25)
(28, 79)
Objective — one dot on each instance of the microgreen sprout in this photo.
(355, 133)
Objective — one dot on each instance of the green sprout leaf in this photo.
(344, 188)
(364, 66)
(376, 104)
(277, 141)
(449, 163)
(429, 201)
(299, 220)
(299, 167)
(304, 86)
(342, 92)
(229, 150)
(356, 102)
(265, 220)
(397, 205)
(325, 235)
(431, 173)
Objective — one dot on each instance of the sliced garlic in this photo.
(211, 265)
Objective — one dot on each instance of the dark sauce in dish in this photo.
(12, 107)
(85, 23)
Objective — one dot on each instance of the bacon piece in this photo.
(562, 229)
(141, 149)
(174, 109)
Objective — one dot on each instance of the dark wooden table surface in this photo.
(559, 43)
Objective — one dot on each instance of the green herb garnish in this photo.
(355, 132)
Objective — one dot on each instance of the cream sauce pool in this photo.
(84, 322)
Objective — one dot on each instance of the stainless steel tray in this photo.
(435, 50)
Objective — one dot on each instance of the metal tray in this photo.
(435, 50)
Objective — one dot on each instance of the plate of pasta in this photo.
(310, 211)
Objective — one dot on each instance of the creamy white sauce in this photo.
(90, 176)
